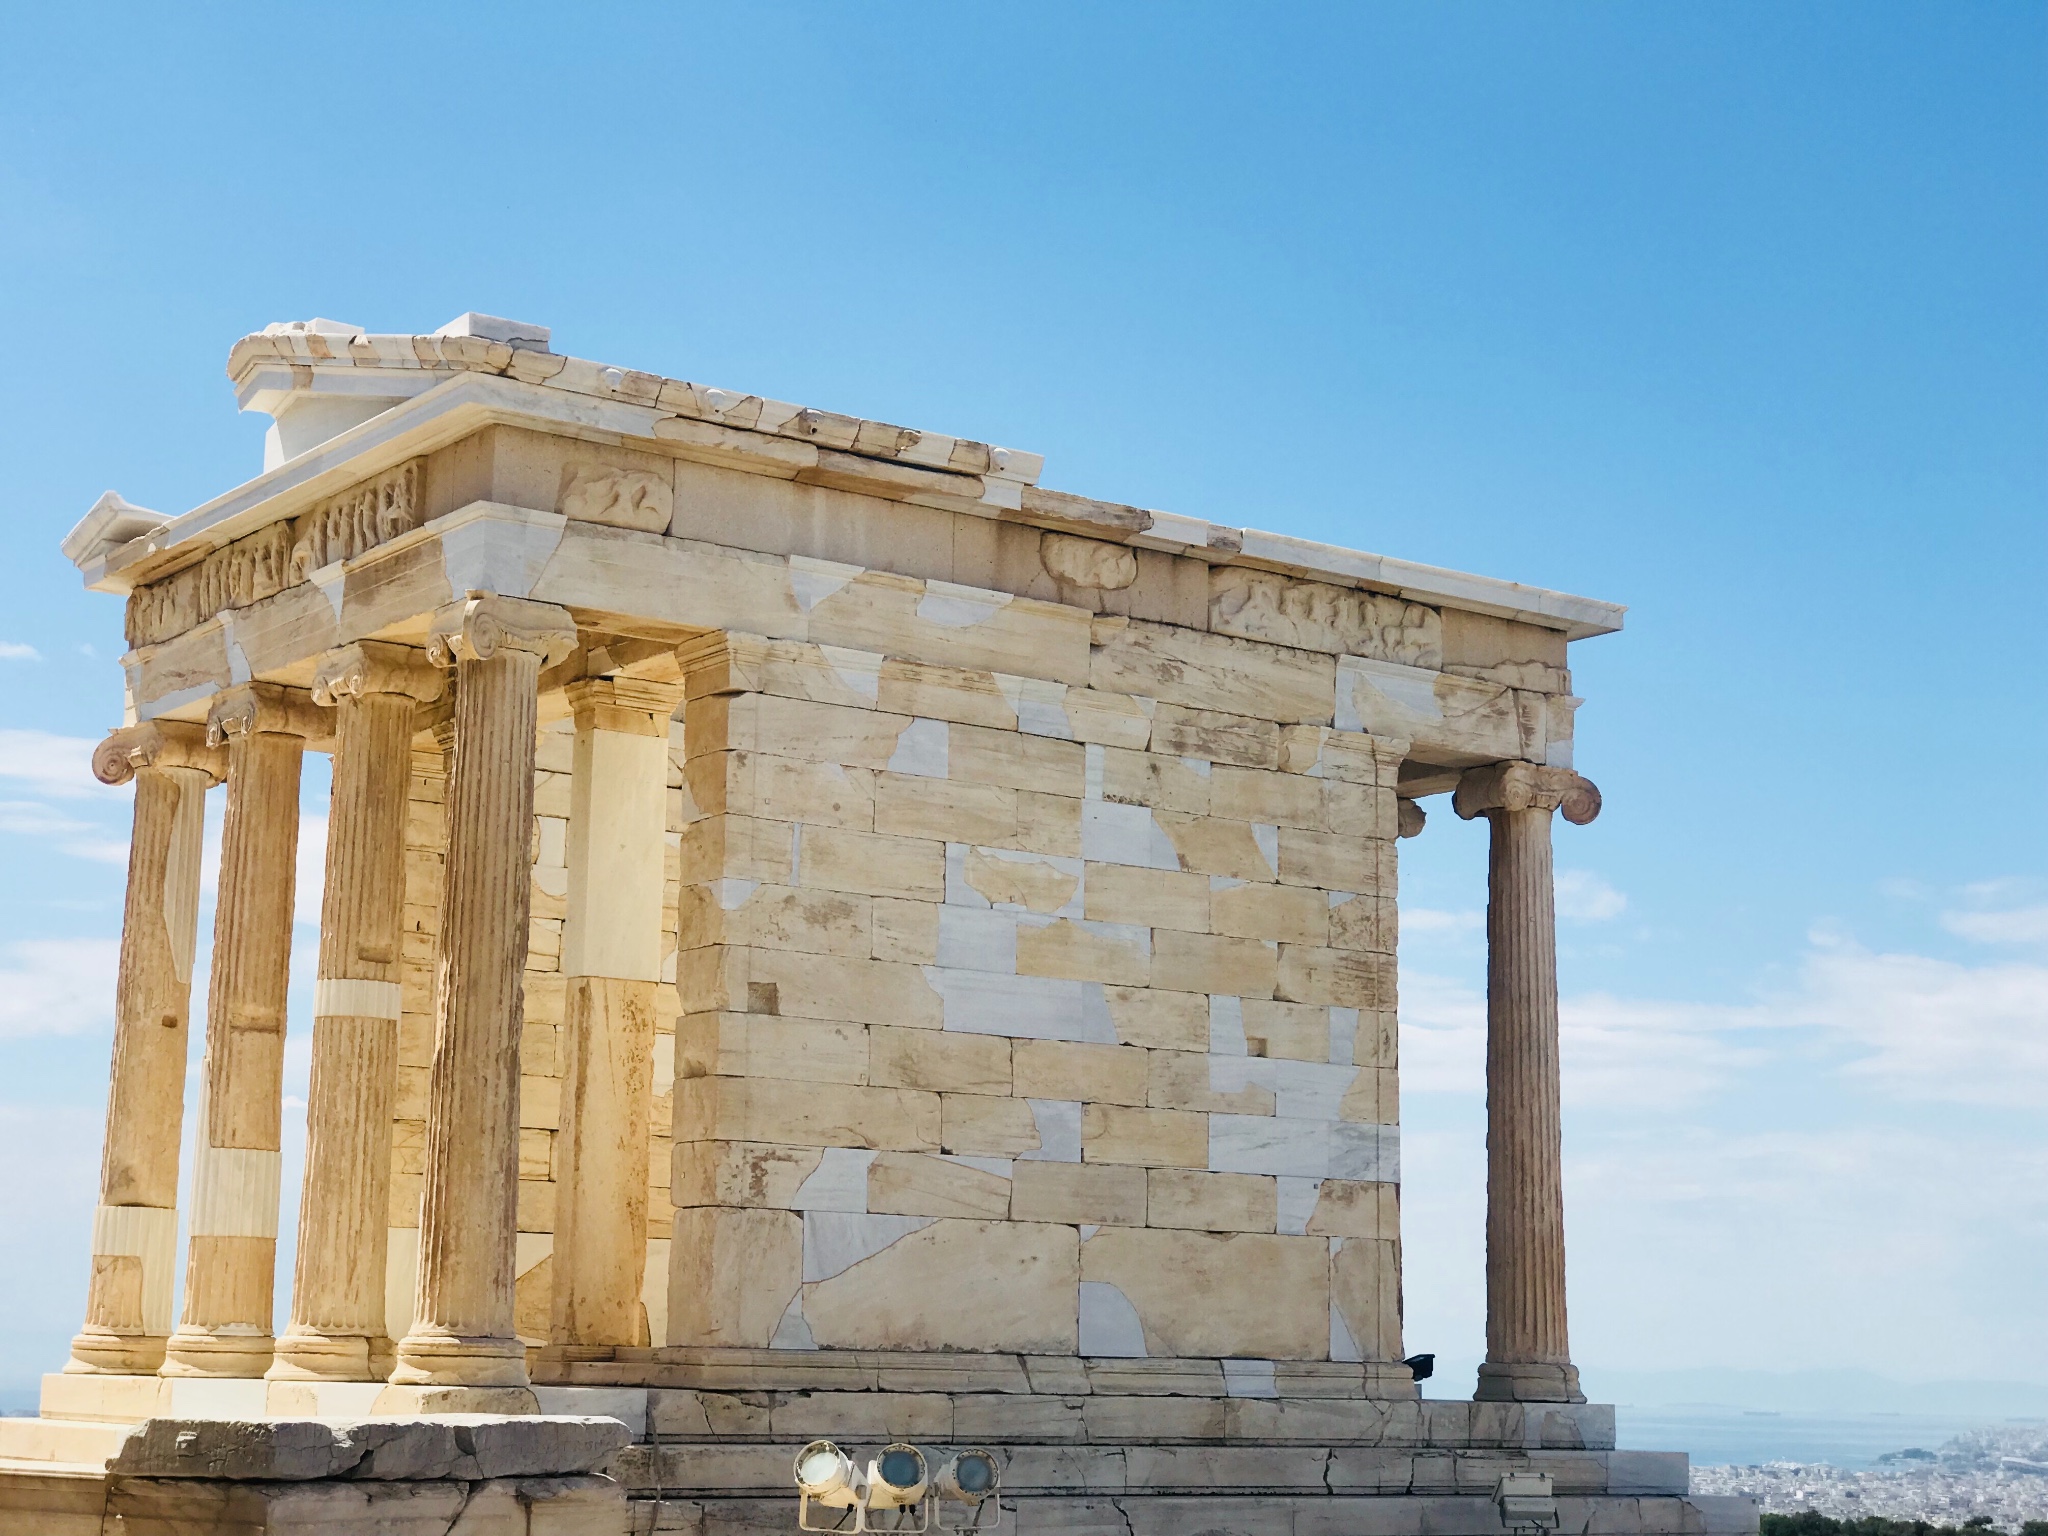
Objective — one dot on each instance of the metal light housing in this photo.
(826, 1476)
(970, 1478)
(898, 1478)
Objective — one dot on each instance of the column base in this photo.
(399, 1400)
(207, 1352)
(99, 1351)
(435, 1359)
(1528, 1382)
(303, 1355)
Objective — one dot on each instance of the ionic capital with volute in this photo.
(1526, 787)
(373, 666)
(483, 624)
(157, 744)
(259, 709)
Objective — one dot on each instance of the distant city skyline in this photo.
(1730, 314)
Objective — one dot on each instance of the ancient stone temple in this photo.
(823, 937)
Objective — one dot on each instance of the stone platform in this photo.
(703, 1441)
(477, 1474)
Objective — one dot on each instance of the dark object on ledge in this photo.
(1423, 1366)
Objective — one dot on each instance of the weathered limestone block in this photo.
(981, 1125)
(1453, 719)
(806, 1115)
(1205, 671)
(733, 1273)
(1213, 963)
(1365, 1298)
(1209, 1202)
(1011, 1285)
(1111, 1133)
(1211, 845)
(1213, 736)
(1262, 1296)
(1058, 1069)
(1159, 1018)
(1157, 898)
(458, 1446)
(1284, 914)
(739, 1173)
(1078, 1193)
(757, 1045)
(1152, 779)
(913, 1184)
(939, 1061)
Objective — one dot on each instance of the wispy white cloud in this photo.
(1909, 1027)
(1584, 897)
(14, 650)
(1432, 920)
(57, 986)
(55, 765)
(84, 839)
(2019, 925)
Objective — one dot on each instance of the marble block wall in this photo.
(1024, 1016)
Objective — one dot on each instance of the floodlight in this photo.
(826, 1476)
(897, 1478)
(970, 1478)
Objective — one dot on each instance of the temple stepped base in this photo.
(1142, 1447)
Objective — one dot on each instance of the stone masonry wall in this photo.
(1023, 1016)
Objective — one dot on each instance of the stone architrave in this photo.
(231, 1253)
(611, 960)
(1528, 1356)
(337, 1325)
(462, 1347)
(135, 1227)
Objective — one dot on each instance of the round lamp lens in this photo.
(901, 1469)
(975, 1474)
(817, 1468)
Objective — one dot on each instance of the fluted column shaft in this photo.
(463, 1331)
(231, 1252)
(135, 1228)
(1528, 1355)
(338, 1284)
(611, 957)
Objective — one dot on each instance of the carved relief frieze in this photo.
(357, 520)
(264, 563)
(621, 498)
(1315, 616)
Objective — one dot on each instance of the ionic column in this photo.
(231, 1254)
(462, 1334)
(611, 960)
(338, 1283)
(1528, 1358)
(135, 1228)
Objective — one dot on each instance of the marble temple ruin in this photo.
(822, 937)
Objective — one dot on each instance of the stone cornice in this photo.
(681, 420)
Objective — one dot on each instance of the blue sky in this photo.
(1732, 313)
